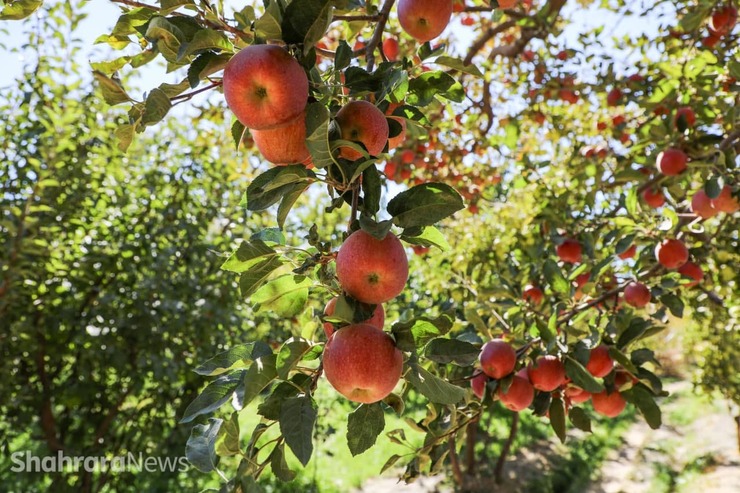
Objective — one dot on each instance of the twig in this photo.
(378, 34)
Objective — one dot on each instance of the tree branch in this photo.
(377, 34)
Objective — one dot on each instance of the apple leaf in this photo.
(416, 333)
(432, 387)
(263, 191)
(445, 351)
(424, 205)
(557, 418)
(237, 357)
(253, 278)
(289, 199)
(317, 135)
(581, 377)
(285, 296)
(580, 419)
(201, 447)
(280, 466)
(297, 419)
(636, 329)
(555, 277)
(205, 40)
(624, 244)
(371, 190)
(215, 395)
(458, 64)
(113, 91)
(156, 107)
(364, 424)
(270, 407)
(424, 88)
(645, 402)
(268, 26)
(248, 255)
(306, 21)
(237, 133)
(429, 236)
(227, 443)
(256, 379)
(291, 353)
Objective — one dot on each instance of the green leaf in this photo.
(205, 40)
(268, 27)
(204, 65)
(424, 205)
(712, 188)
(555, 277)
(390, 463)
(280, 466)
(364, 424)
(580, 419)
(125, 136)
(252, 279)
(19, 9)
(306, 21)
(645, 402)
(291, 353)
(215, 395)
(237, 357)
(289, 200)
(285, 296)
(228, 437)
(248, 255)
(636, 328)
(379, 230)
(270, 407)
(271, 186)
(674, 304)
(432, 387)
(113, 91)
(256, 379)
(317, 135)
(424, 88)
(156, 107)
(371, 190)
(581, 377)
(343, 55)
(419, 331)
(166, 36)
(169, 6)
(457, 64)
(430, 236)
(201, 447)
(297, 419)
(557, 418)
(237, 133)
(452, 351)
(624, 243)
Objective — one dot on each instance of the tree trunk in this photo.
(499, 474)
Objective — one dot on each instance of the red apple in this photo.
(497, 358)
(424, 20)
(685, 115)
(690, 269)
(547, 374)
(265, 87)
(569, 251)
(361, 121)
(600, 364)
(284, 145)
(519, 395)
(701, 205)
(612, 99)
(609, 405)
(672, 162)
(532, 294)
(654, 197)
(629, 253)
(671, 253)
(371, 270)
(577, 395)
(377, 319)
(390, 48)
(725, 202)
(478, 383)
(507, 4)
(362, 363)
(723, 20)
(636, 294)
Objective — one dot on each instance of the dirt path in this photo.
(695, 450)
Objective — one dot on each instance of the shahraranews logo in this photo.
(27, 462)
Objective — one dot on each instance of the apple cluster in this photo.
(516, 389)
(360, 360)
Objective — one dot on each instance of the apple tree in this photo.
(567, 207)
